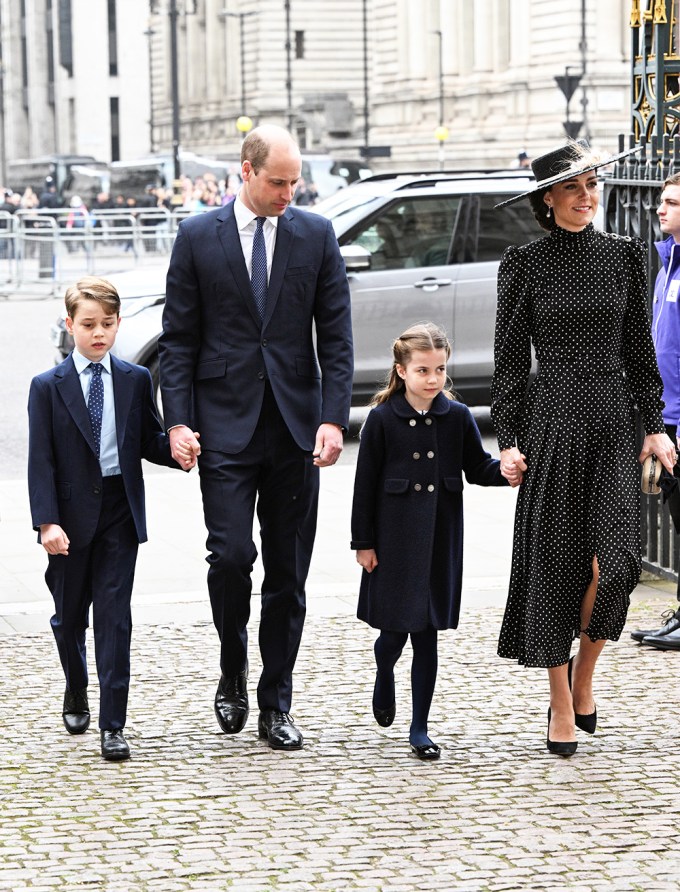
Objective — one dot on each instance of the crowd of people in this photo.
(256, 362)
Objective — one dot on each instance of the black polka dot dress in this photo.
(580, 299)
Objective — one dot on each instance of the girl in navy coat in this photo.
(407, 518)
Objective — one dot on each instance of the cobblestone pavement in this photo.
(197, 810)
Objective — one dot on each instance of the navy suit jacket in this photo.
(216, 353)
(64, 476)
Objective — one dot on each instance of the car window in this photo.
(512, 225)
(409, 232)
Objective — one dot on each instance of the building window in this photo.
(299, 44)
(115, 128)
(50, 52)
(113, 39)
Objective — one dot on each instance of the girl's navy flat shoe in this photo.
(385, 717)
(427, 752)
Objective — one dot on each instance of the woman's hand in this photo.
(662, 447)
(513, 465)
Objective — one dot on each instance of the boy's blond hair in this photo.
(92, 288)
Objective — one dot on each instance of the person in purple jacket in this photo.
(666, 335)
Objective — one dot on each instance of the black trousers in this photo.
(273, 473)
(101, 575)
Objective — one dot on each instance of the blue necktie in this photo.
(95, 403)
(258, 275)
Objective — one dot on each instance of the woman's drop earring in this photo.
(549, 211)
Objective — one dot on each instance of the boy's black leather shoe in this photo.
(278, 730)
(231, 702)
(114, 746)
(76, 711)
(671, 624)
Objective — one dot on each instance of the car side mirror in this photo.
(357, 259)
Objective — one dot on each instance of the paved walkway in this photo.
(197, 810)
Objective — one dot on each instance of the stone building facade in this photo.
(94, 76)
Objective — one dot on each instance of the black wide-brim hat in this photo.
(562, 164)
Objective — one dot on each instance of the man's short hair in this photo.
(672, 180)
(256, 150)
(92, 288)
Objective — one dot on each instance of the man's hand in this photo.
(513, 465)
(367, 558)
(184, 446)
(53, 539)
(328, 445)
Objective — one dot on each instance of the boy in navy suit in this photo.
(91, 421)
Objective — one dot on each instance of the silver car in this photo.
(416, 247)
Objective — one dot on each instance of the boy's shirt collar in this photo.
(82, 362)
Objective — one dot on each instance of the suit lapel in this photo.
(69, 389)
(123, 389)
(227, 233)
(284, 242)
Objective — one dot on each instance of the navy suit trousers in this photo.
(274, 473)
(101, 574)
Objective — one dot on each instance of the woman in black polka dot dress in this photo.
(579, 296)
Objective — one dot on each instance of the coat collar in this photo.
(403, 409)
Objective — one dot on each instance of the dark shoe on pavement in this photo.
(671, 623)
(76, 711)
(278, 730)
(231, 702)
(114, 746)
(671, 641)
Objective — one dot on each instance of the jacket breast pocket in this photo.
(396, 485)
(211, 368)
(453, 484)
(63, 491)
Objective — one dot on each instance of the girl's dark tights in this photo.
(388, 648)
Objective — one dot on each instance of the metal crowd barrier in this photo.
(48, 247)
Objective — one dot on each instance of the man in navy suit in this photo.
(248, 287)
(91, 421)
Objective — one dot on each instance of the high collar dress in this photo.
(581, 300)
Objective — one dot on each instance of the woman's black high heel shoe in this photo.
(587, 723)
(560, 747)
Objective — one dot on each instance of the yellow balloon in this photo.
(441, 133)
(244, 124)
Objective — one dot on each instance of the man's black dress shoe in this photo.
(560, 747)
(671, 624)
(76, 711)
(114, 746)
(670, 641)
(426, 752)
(278, 730)
(586, 722)
(231, 702)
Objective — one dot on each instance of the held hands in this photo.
(367, 558)
(184, 446)
(662, 447)
(53, 539)
(328, 445)
(513, 465)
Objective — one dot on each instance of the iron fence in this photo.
(631, 196)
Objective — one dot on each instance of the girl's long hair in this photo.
(422, 336)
